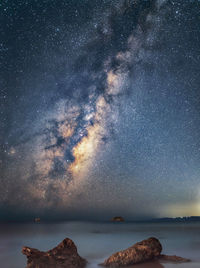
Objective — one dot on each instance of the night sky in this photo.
(100, 108)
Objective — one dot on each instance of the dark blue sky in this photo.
(100, 108)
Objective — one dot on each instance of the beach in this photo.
(97, 241)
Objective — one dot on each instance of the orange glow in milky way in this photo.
(86, 149)
(66, 184)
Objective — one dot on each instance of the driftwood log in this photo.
(146, 250)
(62, 256)
(65, 255)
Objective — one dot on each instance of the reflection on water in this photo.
(149, 265)
(97, 241)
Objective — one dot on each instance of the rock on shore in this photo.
(65, 255)
(146, 250)
(62, 256)
(140, 252)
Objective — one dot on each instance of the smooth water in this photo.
(97, 241)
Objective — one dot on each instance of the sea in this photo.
(97, 241)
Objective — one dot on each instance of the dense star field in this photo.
(99, 108)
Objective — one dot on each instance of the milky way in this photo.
(100, 112)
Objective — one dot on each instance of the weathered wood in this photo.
(65, 255)
(140, 252)
(62, 256)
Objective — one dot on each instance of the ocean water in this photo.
(97, 241)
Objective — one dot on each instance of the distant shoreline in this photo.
(154, 220)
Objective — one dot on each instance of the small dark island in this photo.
(117, 219)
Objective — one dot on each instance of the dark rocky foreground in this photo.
(146, 250)
(65, 255)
